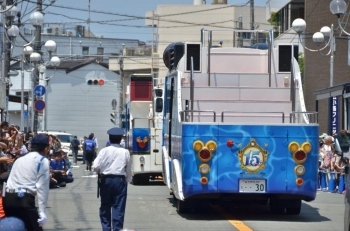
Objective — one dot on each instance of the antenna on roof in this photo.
(88, 20)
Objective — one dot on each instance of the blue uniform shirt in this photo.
(89, 145)
(56, 165)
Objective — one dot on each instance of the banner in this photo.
(333, 121)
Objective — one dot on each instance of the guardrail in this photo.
(312, 115)
(222, 114)
(186, 117)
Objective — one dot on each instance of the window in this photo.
(85, 50)
(246, 35)
(65, 138)
(100, 50)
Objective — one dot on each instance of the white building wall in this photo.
(73, 46)
(15, 108)
(170, 30)
(78, 108)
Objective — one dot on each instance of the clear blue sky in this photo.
(72, 11)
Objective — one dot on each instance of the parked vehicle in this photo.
(144, 130)
(65, 139)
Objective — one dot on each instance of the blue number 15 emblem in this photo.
(252, 158)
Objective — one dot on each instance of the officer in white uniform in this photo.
(29, 177)
(114, 166)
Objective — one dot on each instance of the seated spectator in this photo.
(59, 169)
(67, 164)
(53, 181)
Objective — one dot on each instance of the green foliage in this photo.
(301, 62)
(274, 20)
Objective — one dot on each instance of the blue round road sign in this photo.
(39, 105)
(39, 90)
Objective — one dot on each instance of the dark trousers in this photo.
(113, 201)
(89, 157)
(84, 157)
(22, 208)
(75, 155)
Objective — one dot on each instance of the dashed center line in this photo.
(231, 219)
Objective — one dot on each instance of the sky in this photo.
(104, 13)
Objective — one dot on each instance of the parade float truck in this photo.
(143, 128)
(235, 125)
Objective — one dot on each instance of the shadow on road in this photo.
(156, 182)
(205, 210)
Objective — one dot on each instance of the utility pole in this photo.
(252, 21)
(35, 79)
(7, 59)
(240, 34)
(121, 95)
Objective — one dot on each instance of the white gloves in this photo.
(42, 219)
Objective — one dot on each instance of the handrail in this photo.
(236, 30)
(240, 112)
(313, 119)
(210, 43)
(140, 118)
(186, 111)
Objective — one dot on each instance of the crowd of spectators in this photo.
(333, 157)
(14, 144)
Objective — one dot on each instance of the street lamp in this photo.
(27, 51)
(338, 8)
(54, 61)
(299, 26)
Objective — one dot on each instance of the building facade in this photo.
(317, 65)
(72, 46)
(183, 23)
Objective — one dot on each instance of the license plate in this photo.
(252, 186)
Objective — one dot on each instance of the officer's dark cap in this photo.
(40, 139)
(115, 132)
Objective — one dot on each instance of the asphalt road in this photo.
(152, 208)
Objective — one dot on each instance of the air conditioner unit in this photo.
(55, 31)
(71, 33)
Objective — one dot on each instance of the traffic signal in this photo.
(114, 118)
(95, 82)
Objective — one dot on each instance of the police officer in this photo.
(114, 166)
(29, 176)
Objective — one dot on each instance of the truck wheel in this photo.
(182, 206)
(136, 180)
(295, 208)
(276, 207)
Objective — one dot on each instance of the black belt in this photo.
(112, 176)
(25, 191)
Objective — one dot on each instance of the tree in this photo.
(274, 20)
(301, 63)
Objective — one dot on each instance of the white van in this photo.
(64, 137)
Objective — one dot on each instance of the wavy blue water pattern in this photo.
(226, 168)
